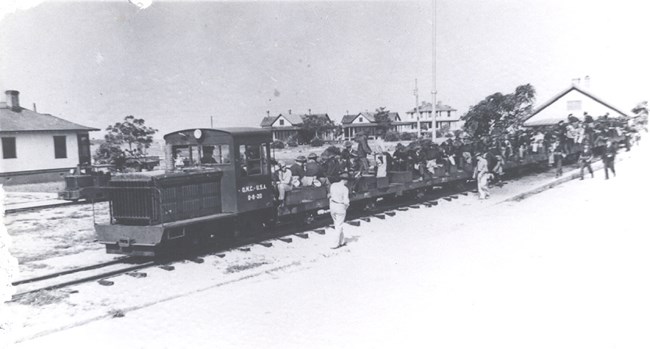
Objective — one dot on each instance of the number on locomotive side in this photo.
(252, 197)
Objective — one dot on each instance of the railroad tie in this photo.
(354, 223)
(402, 208)
(447, 198)
(287, 240)
(302, 235)
(365, 219)
(104, 282)
(137, 275)
(221, 255)
(320, 231)
(245, 249)
(197, 260)
(454, 196)
(380, 216)
(167, 267)
(265, 244)
(414, 206)
(391, 213)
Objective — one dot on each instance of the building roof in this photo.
(25, 120)
(427, 108)
(294, 119)
(348, 119)
(556, 98)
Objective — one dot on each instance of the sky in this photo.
(176, 64)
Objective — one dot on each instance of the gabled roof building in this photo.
(38, 147)
(575, 101)
(286, 126)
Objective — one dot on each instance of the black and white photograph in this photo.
(324, 174)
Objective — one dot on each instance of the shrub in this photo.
(391, 136)
(277, 145)
(292, 143)
(407, 136)
(316, 142)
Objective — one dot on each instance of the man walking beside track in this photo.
(609, 155)
(482, 176)
(585, 161)
(339, 202)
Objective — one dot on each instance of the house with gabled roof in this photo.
(365, 122)
(286, 126)
(574, 101)
(446, 117)
(37, 147)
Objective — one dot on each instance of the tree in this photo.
(383, 121)
(497, 113)
(641, 112)
(312, 126)
(131, 134)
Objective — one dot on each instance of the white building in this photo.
(446, 117)
(572, 101)
(38, 147)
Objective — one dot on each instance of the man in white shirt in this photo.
(284, 181)
(339, 203)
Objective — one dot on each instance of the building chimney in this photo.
(268, 113)
(289, 111)
(575, 82)
(587, 82)
(12, 100)
(309, 111)
(34, 104)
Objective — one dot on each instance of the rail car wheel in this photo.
(370, 206)
(308, 218)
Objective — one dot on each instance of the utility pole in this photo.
(434, 92)
(417, 105)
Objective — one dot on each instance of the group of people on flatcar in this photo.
(484, 156)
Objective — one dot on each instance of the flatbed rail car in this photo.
(86, 183)
(224, 185)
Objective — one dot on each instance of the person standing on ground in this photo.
(585, 161)
(339, 203)
(558, 157)
(609, 155)
(482, 175)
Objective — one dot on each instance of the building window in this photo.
(281, 122)
(449, 114)
(574, 105)
(60, 150)
(8, 147)
(360, 119)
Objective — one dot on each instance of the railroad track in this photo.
(79, 275)
(41, 207)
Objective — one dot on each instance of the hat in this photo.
(301, 158)
(312, 156)
(347, 144)
(282, 163)
(344, 175)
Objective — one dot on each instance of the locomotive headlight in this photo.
(198, 134)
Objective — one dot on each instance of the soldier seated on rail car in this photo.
(313, 171)
(284, 181)
(298, 171)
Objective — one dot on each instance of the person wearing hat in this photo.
(298, 170)
(284, 181)
(313, 170)
(339, 196)
(482, 176)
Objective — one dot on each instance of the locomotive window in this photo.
(215, 154)
(185, 156)
(250, 159)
